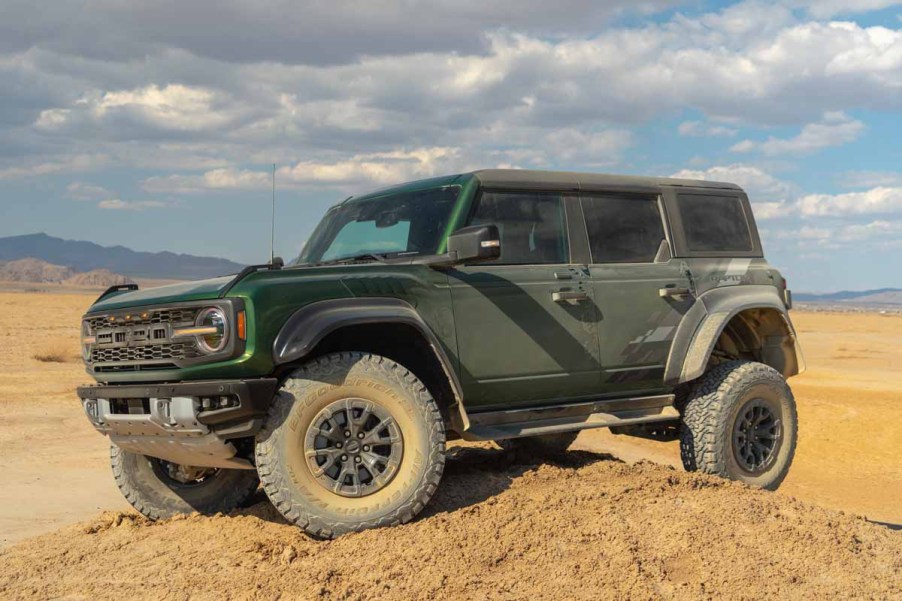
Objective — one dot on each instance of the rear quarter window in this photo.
(714, 223)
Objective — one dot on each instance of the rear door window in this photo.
(714, 223)
(532, 226)
(623, 229)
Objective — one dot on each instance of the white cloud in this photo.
(381, 168)
(64, 163)
(51, 119)
(701, 128)
(870, 231)
(871, 179)
(227, 178)
(599, 148)
(835, 129)
(769, 195)
(86, 191)
(174, 107)
(758, 183)
(830, 8)
(837, 235)
(773, 197)
(117, 204)
(746, 64)
(875, 200)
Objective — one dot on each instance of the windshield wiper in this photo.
(354, 259)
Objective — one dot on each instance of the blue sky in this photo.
(154, 125)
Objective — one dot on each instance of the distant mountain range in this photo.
(86, 256)
(882, 296)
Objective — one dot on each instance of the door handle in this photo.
(665, 292)
(567, 295)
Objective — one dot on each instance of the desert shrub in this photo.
(56, 353)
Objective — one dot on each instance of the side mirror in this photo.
(474, 243)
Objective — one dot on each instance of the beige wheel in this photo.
(352, 441)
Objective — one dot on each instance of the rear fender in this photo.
(703, 324)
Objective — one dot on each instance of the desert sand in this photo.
(605, 522)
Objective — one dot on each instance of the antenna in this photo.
(272, 231)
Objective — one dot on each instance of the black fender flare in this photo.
(703, 324)
(309, 325)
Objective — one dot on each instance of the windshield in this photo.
(394, 224)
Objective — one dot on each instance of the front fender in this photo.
(703, 324)
(309, 325)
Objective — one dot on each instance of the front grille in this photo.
(141, 339)
(180, 316)
(150, 352)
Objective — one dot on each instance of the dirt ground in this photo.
(596, 526)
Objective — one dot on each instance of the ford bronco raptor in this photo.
(499, 305)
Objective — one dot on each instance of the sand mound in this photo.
(588, 528)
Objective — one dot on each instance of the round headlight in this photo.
(212, 317)
(86, 340)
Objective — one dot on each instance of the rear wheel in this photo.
(160, 489)
(352, 441)
(740, 422)
(546, 446)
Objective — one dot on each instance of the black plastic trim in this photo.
(276, 264)
(703, 323)
(116, 288)
(309, 325)
(533, 421)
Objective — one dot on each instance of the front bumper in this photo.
(190, 423)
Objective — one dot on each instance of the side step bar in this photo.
(498, 425)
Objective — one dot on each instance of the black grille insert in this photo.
(141, 339)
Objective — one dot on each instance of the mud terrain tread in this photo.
(223, 503)
(275, 482)
(704, 434)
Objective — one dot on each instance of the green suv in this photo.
(499, 305)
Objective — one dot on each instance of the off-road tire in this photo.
(158, 498)
(546, 446)
(711, 412)
(290, 483)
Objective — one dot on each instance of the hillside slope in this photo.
(87, 256)
(42, 272)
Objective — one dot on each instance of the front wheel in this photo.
(161, 489)
(352, 441)
(740, 422)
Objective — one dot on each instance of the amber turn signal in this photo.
(242, 325)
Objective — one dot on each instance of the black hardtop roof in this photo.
(569, 180)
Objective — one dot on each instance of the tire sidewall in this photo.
(156, 498)
(304, 396)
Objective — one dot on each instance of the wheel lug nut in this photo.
(360, 435)
(347, 433)
(337, 445)
(366, 447)
(356, 459)
(344, 457)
